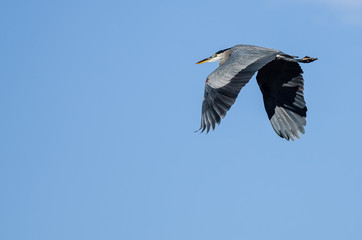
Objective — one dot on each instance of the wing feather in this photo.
(224, 84)
(282, 85)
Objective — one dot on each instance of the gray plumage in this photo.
(279, 78)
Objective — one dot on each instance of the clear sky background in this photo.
(99, 101)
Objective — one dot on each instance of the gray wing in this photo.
(224, 84)
(282, 85)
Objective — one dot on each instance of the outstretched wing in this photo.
(224, 84)
(282, 85)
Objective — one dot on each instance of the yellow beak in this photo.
(204, 60)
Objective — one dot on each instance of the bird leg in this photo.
(307, 59)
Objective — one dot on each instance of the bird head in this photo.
(216, 57)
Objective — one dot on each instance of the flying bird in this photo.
(279, 78)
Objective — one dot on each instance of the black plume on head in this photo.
(221, 51)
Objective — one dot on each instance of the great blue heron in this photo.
(279, 78)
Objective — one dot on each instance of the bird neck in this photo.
(225, 55)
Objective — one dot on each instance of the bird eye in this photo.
(215, 55)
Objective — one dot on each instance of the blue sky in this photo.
(99, 101)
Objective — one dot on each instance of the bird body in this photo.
(279, 78)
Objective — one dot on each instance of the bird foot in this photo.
(307, 59)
